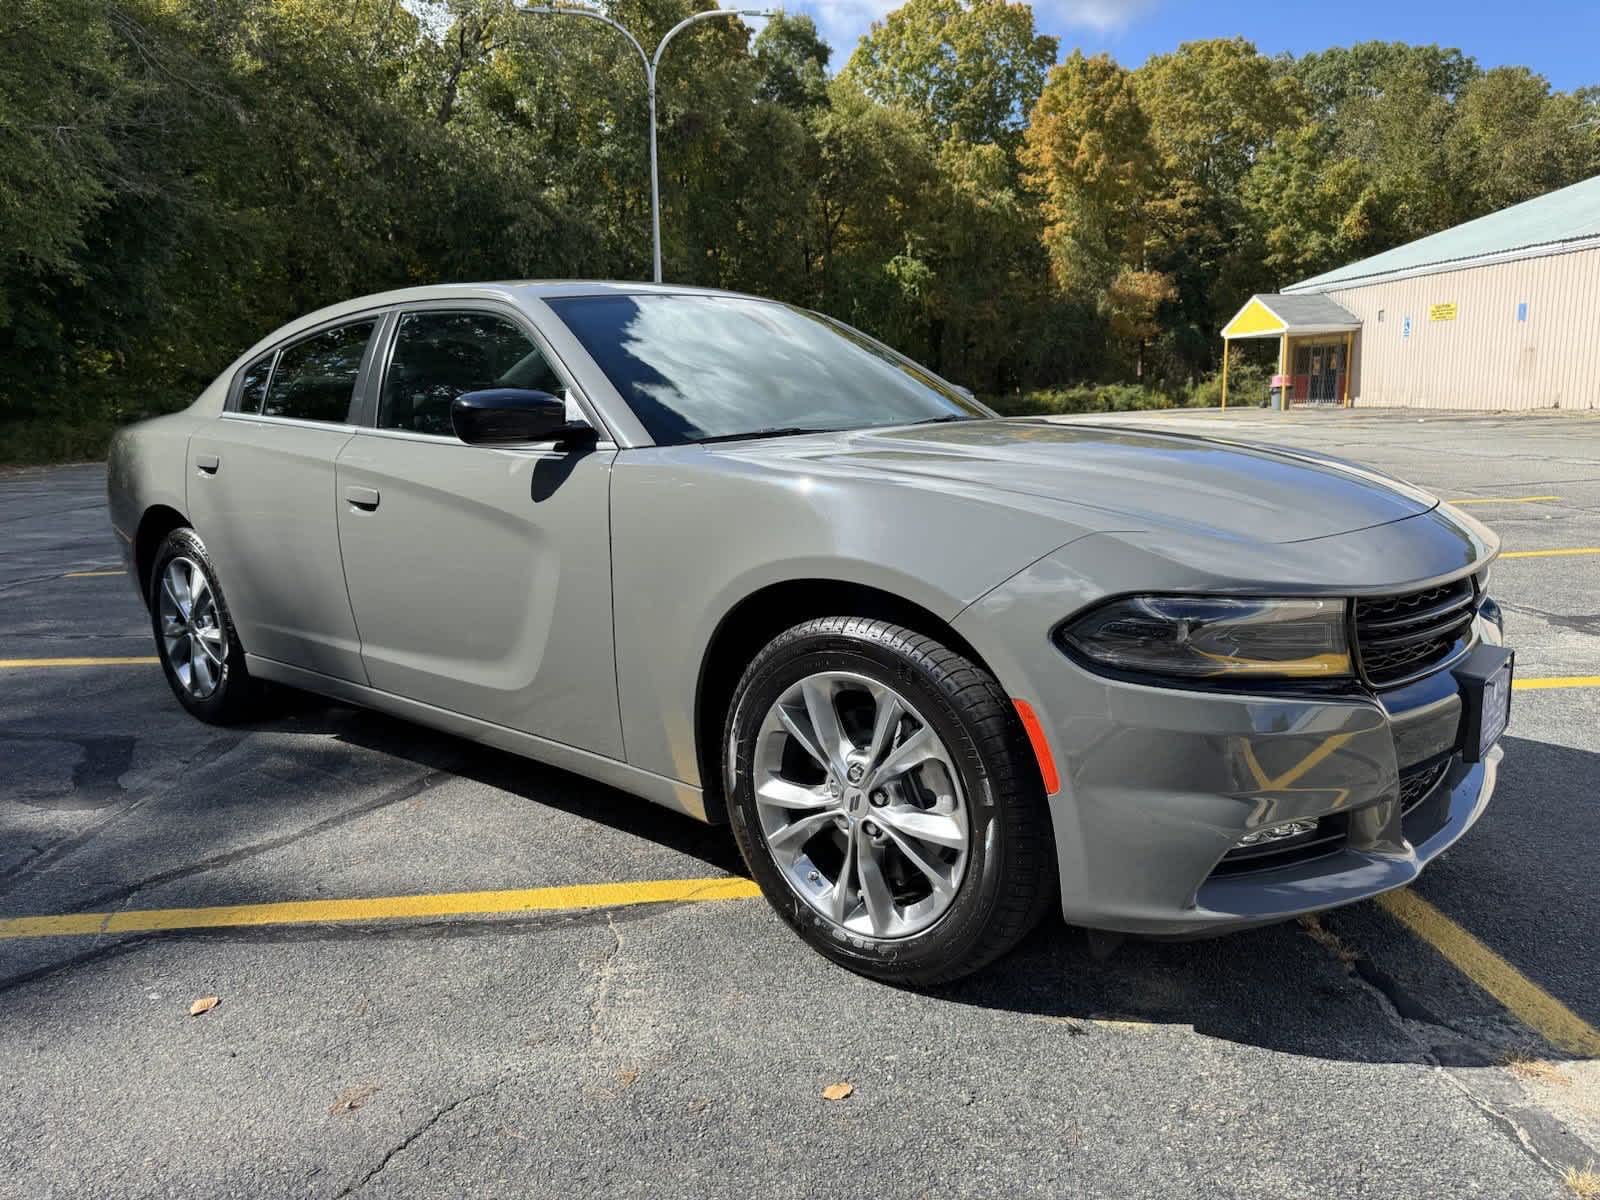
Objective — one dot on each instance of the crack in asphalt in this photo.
(605, 972)
(1405, 1011)
(421, 1130)
(215, 748)
(396, 795)
(96, 954)
(1586, 623)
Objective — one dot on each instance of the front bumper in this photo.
(1160, 783)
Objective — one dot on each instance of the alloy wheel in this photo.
(861, 805)
(191, 628)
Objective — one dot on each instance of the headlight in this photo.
(1199, 638)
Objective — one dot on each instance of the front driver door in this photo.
(480, 576)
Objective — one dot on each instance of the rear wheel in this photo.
(886, 801)
(199, 650)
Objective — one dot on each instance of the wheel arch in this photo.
(758, 618)
(156, 522)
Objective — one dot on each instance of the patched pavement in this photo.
(680, 1048)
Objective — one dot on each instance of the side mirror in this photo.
(514, 416)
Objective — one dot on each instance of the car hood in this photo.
(1121, 478)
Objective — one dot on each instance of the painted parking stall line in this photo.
(26, 664)
(1558, 681)
(1501, 500)
(1567, 552)
(383, 908)
(1524, 999)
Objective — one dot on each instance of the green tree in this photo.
(1087, 152)
(972, 68)
(794, 62)
(1514, 139)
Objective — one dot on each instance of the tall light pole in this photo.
(650, 67)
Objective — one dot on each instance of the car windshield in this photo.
(695, 368)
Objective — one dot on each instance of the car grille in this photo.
(1417, 783)
(1401, 637)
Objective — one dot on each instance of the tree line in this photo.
(179, 177)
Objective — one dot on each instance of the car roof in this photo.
(510, 290)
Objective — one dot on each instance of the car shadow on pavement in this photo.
(549, 787)
(1353, 983)
(1283, 988)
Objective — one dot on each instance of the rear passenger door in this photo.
(480, 576)
(261, 496)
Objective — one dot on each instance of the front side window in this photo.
(316, 378)
(439, 355)
(696, 367)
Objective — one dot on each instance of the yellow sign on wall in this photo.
(1442, 312)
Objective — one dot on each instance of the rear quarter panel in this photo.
(147, 467)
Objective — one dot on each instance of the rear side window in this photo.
(439, 355)
(316, 378)
(253, 389)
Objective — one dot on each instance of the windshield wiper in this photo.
(776, 431)
(945, 419)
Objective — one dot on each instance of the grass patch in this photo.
(1584, 1184)
(1534, 1069)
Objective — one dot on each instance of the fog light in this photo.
(1278, 833)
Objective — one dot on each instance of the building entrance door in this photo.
(1317, 370)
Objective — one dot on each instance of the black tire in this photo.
(235, 695)
(1010, 878)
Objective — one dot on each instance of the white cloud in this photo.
(1102, 16)
(842, 22)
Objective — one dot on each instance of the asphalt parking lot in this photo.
(1440, 1044)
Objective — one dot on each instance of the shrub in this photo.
(1083, 398)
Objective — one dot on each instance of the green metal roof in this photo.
(1542, 225)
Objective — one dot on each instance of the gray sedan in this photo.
(939, 671)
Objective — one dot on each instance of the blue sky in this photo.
(1558, 38)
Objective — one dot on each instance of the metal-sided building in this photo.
(1499, 313)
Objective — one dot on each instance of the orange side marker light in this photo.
(1041, 747)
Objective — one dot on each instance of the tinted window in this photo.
(694, 367)
(439, 355)
(253, 388)
(316, 378)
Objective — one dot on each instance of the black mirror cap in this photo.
(514, 416)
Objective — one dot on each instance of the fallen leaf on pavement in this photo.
(203, 1005)
(352, 1097)
(837, 1091)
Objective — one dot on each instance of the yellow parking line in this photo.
(1523, 998)
(382, 908)
(1551, 553)
(17, 664)
(1501, 499)
(1555, 681)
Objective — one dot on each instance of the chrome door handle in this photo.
(364, 498)
(207, 463)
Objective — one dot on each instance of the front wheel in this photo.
(885, 799)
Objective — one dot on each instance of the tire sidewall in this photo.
(223, 702)
(789, 659)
